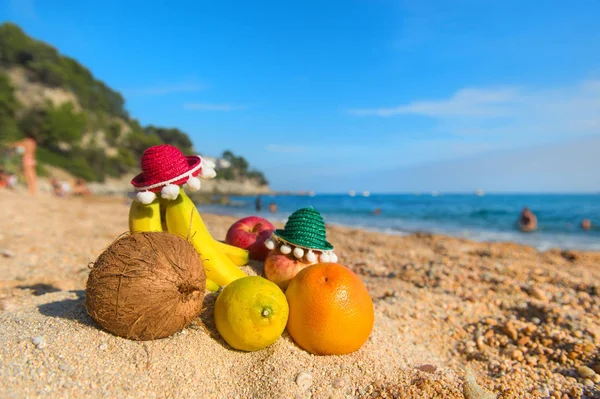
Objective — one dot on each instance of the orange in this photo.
(331, 311)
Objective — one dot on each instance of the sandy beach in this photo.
(453, 319)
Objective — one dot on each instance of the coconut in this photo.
(146, 286)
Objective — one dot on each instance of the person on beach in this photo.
(273, 207)
(586, 224)
(258, 204)
(80, 188)
(528, 220)
(27, 147)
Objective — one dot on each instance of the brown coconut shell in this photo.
(146, 286)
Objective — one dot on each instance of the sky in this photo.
(331, 96)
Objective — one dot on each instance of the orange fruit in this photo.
(331, 311)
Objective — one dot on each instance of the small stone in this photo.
(532, 360)
(304, 380)
(536, 320)
(39, 342)
(517, 354)
(596, 378)
(538, 294)
(428, 368)
(338, 383)
(585, 372)
(523, 341)
(491, 322)
(588, 383)
(7, 253)
(511, 331)
(589, 348)
(102, 346)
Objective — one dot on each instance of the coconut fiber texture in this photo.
(146, 286)
(305, 228)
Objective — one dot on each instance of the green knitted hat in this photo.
(305, 228)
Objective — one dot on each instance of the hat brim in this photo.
(193, 162)
(323, 246)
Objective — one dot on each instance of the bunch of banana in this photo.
(181, 217)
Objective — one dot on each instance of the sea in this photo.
(481, 217)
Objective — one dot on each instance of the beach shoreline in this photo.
(524, 321)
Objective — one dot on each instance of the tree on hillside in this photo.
(44, 64)
(53, 125)
(9, 130)
(239, 169)
(172, 136)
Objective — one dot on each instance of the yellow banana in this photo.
(144, 217)
(239, 256)
(212, 286)
(184, 220)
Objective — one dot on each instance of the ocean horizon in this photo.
(489, 217)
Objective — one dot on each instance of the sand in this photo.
(453, 319)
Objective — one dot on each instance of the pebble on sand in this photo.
(585, 372)
(338, 383)
(39, 342)
(304, 380)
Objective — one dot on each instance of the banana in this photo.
(183, 219)
(212, 286)
(144, 217)
(239, 256)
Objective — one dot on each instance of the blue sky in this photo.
(338, 95)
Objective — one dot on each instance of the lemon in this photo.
(251, 313)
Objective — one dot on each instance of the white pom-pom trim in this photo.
(285, 249)
(333, 258)
(170, 192)
(298, 253)
(270, 244)
(209, 164)
(193, 184)
(146, 197)
(311, 257)
(324, 258)
(208, 173)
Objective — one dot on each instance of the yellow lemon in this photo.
(251, 313)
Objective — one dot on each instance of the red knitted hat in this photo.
(164, 168)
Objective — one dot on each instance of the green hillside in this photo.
(92, 136)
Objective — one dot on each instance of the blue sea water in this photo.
(482, 218)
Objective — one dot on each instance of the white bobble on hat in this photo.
(311, 257)
(298, 253)
(145, 197)
(270, 244)
(324, 257)
(209, 164)
(193, 184)
(208, 173)
(170, 192)
(285, 249)
(333, 258)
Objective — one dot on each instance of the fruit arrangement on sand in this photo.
(151, 283)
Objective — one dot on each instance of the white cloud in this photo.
(277, 148)
(213, 107)
(161, 90)
(465, 102)
(559, 112)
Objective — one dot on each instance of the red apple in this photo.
(281, 269)
(251, 233)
